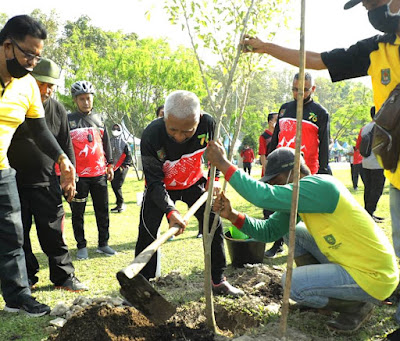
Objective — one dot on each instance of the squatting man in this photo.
(345, 263)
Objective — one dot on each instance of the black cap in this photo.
(351, 4)
(279, 161)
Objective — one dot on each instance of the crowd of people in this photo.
(345, 263)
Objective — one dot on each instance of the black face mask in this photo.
(307, 99)
(15, 69)
(381, 20)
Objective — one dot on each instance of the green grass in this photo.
(183, 254)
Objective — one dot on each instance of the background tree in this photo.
(217, 26)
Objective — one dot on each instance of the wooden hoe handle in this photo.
(143, 258)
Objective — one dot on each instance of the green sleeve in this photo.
(269, 230)
(317, 194)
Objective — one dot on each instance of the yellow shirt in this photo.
(19, 99)
(377, 57)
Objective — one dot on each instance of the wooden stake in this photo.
(296, 177)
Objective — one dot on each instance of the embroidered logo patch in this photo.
(313, 117)
(330, 239)
(72, 124)
(161, 154)
(203, 138)
(385, 76)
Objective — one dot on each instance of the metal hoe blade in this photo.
(139, 292)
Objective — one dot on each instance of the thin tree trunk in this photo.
(296, 177)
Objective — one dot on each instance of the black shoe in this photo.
(72, 284)
(274, 250)
(378, 220)
(29, 306)
(224, 288)
(32, 283)
(348, 322)
(118, 208)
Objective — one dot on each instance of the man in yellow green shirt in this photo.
(345, 261)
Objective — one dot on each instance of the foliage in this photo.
(250, 141)
(131, 76)
(348, 103)
(215, 28)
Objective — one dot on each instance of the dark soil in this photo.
(123, 324)
(233, 316)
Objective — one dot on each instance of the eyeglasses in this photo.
(29, 56)
(294, 89)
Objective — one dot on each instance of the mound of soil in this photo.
(124, 324)
(233, 316)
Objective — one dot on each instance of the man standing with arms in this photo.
(315, 134)
(38, 187)
(172, 150)
(94, 166)
(21, 43)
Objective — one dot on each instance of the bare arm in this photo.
(290, 56)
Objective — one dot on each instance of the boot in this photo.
(275, 249)
(306, 259)
(351, 317)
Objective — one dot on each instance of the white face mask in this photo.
(115, 133)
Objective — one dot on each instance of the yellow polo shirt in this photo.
(19, 99)
(377, 57)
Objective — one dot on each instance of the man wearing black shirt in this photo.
(38, 187)
(172, 150)
(315, 134)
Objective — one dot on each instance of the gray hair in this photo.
(182, 104)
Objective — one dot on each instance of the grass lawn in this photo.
(184, 254)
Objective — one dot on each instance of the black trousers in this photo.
(247, 167)
(117, 182)
(356, 172)
(13, 275)
(374, 181)
(150, 220)
(44, 204)
(97, 187)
